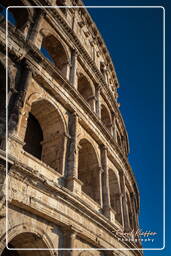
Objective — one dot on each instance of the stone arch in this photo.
(130, 212)
(88, 170)
(91, 141)
(27, 236)
(49, 119)
(86, 89)
(106, 117)
(17, 16)
(55, 51)
(114, 189)
(36, 96)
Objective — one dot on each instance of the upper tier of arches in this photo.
(59, 53)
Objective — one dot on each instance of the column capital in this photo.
(67, 135)
(75, 52)
(121, 172)
(71, 229)
(74, 114)
(101, 170)
(92, 97)
(42, 13)
(27, 65)
(99, 87)
(102, 146)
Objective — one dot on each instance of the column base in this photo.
(75, 185)
(110, 213)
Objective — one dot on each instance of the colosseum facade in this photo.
(70, 188)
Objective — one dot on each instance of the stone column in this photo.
(100, 186)
(105, 182)
(27, 27)
(135, 223)
(2, 189)
(69, 240)
(72, 156)
(66, 69)
(119, 207)
(114, 129)
(126, 222)
(73, 71)
(91, 100)
(98, 105)
(16, 114)
(113, 124)
(37, 25)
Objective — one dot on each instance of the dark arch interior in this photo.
(54, 51)
(33, 137)
(129, 211)
(17, 16)
(84, 88)
(105, 117)
(26, 240)
(44, 135)
(115, 194)
(88, 170)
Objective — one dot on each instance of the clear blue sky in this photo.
(134, 39)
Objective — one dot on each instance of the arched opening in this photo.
(105, 117)
(18, 17)
(26, 240)
(45, 134)
(54, 51)
(88, 170)
(86, 91)
(33, 137)
(115, 194)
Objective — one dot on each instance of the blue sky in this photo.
(134, 40)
